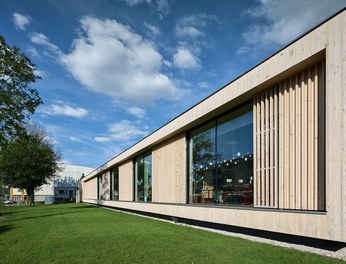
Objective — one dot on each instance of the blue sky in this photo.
(115, 71)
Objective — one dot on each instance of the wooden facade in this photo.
(170, 187)
(126, 181)
(299, 130)
(289, 142)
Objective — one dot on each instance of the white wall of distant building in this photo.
(68, 170)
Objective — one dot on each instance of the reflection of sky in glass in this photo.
(234, 137)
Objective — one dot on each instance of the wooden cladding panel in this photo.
(289, 143)
(90, 189)
(169, 181)
(126, 184)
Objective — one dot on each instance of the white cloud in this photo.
(136, 111)
(286, 20)
(21, 21)
(52, 128)
(33, 52)
(192, 26)
(153, 31)
(40, 73)
(123, 131)
(188, 31)
(74, 139)
(111, 59)
(184, 59)
(192, 31)
(102, 139)
(41, 39)
(167, 63)
(203, 85)
(137, 2)
(243, 50)
(64, 110)
(162, 7)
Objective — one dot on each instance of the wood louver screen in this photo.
(265, 114)
(289, 143)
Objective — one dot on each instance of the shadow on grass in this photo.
(5, 228)
(42, 216)
(14, 212)
(67, 206)
(47, 211)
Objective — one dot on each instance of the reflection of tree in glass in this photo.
(203, 147)
(105, 188)
(204, 150)
(140, 172)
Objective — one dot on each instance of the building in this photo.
(16, 194)
(65, 185)
(266, 152)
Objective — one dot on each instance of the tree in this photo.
(29, 161)
(17, 99)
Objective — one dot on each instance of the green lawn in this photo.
(78, 233)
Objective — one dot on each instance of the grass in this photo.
(79, 233)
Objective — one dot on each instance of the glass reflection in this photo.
(202, 145)
(143, 176)
(115, 183)
(234, 173)
(147, 178)
(100, 187)
(221, 160)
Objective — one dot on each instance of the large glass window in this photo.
(235, 158)
(221, 160)
(143, 178)
(115, 184)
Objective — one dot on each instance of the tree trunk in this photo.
(30, 196)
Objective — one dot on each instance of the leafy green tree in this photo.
(29, 161)
(17, 99)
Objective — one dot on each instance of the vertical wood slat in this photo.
(310, 196)
(287, 146)
(280, 147)
(289, 129)
(321, 141)
(271, 148)
(294, 160)
(315, 136)
(313, 147)
(304, 143)
(276, 146)
(255, 193)
(262, 151)
(291, 195)
(266, 140)
(258, 149)
(298, 126)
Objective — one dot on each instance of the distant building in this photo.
(65, 185)
(16, 194)
(65, 188)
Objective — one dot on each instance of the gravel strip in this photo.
(339, 254)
